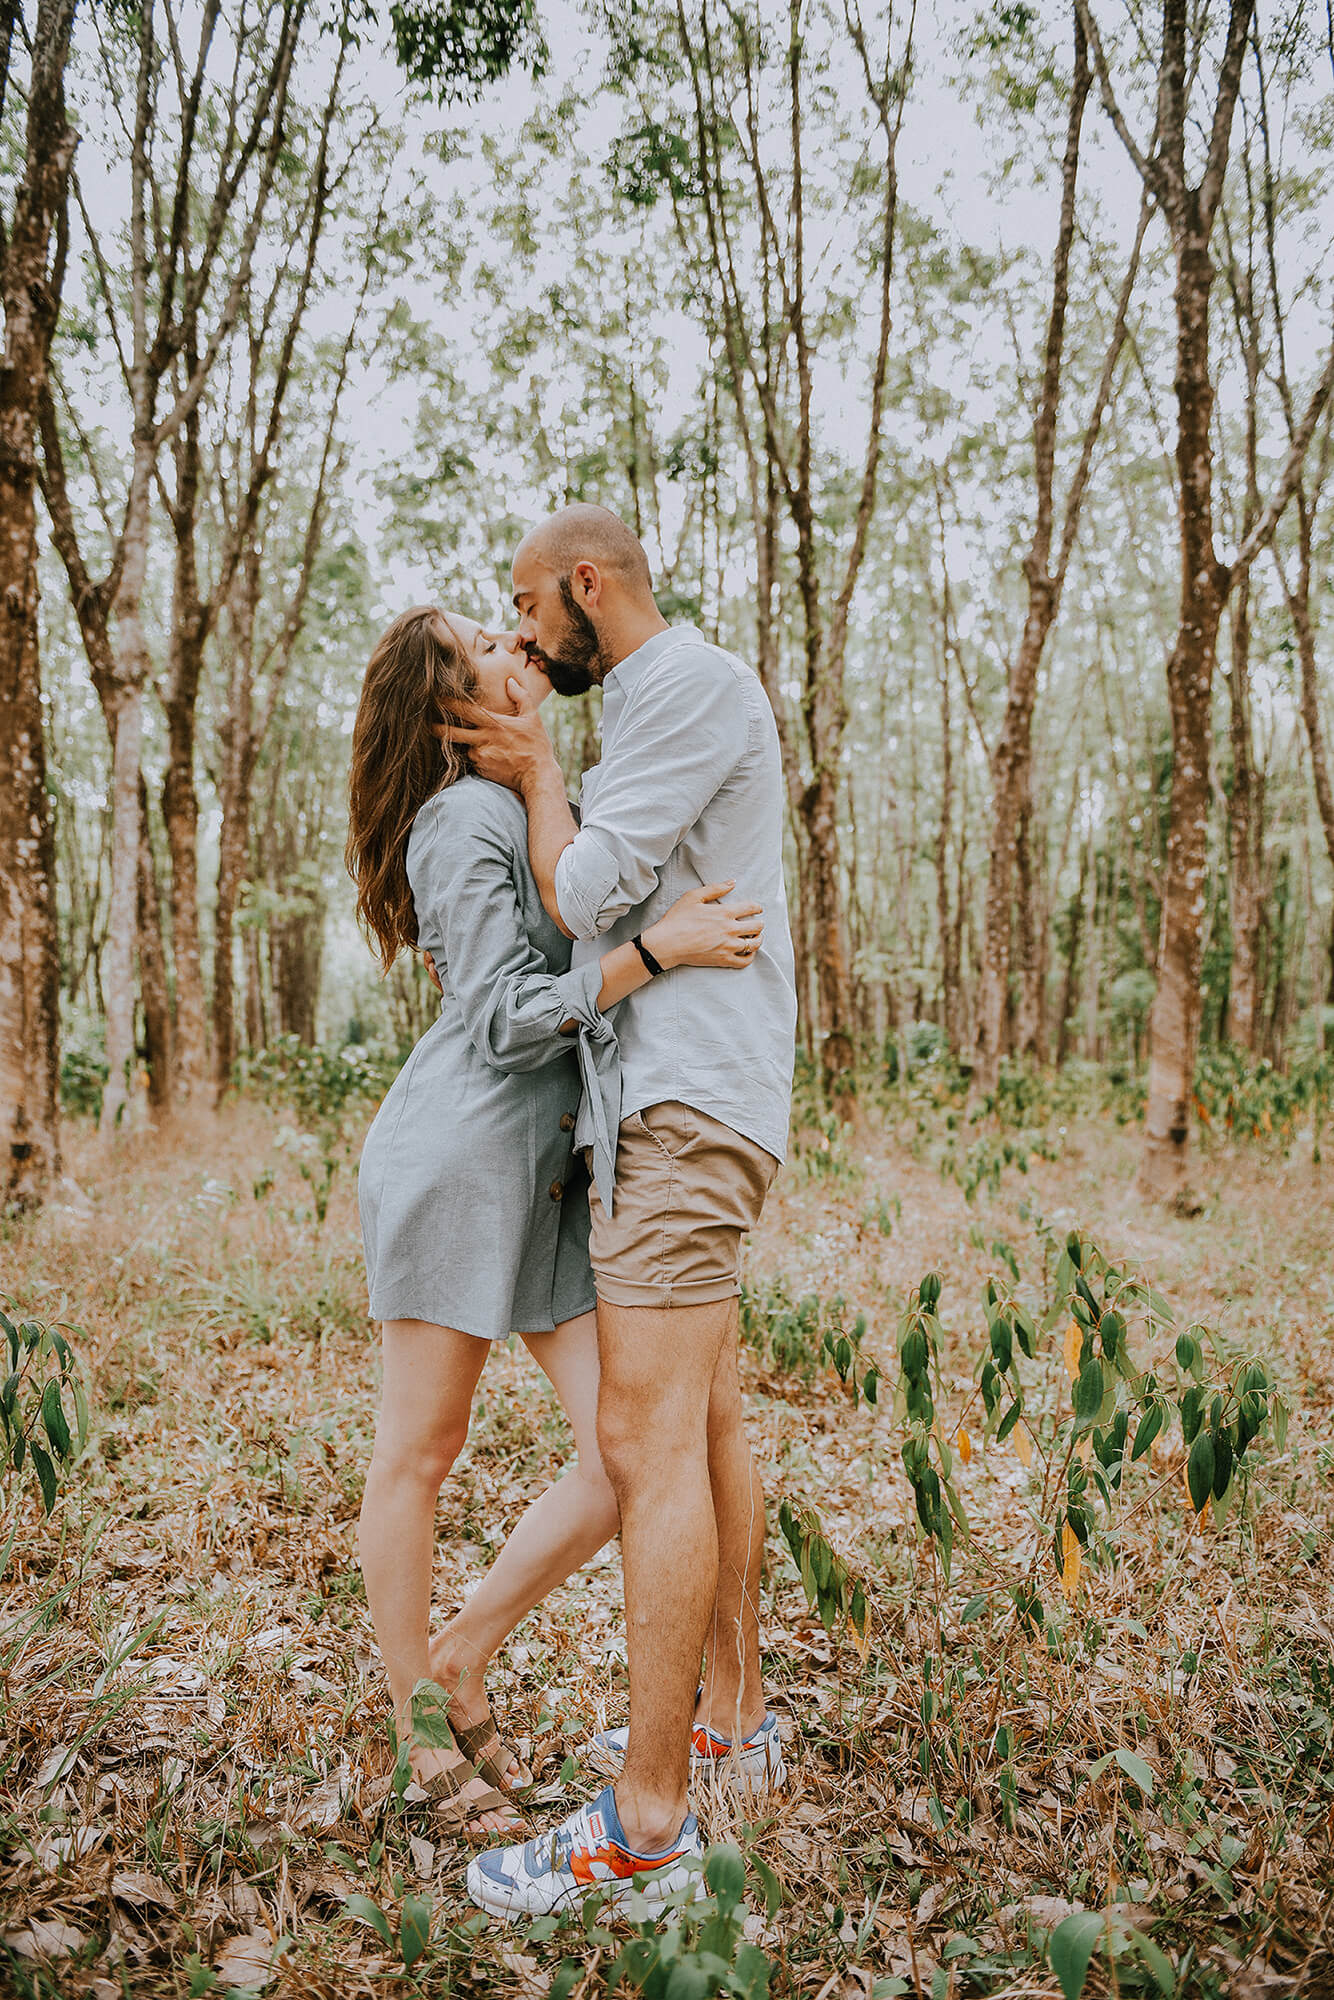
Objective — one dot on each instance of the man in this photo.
(689, 791)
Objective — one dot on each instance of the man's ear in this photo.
(586, 583)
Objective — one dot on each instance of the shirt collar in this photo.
(629, 670)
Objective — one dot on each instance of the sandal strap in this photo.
(489, 1752)
(453, 1810)
(449, 1783)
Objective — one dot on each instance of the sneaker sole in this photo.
(518, 1900)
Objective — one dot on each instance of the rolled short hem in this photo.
(665, 1293)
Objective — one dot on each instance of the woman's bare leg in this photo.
(561, 1530)
(430, 1373)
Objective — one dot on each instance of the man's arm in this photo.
(673, 749)
(551, 829)
(515, 750)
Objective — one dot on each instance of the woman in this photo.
(474, 1204)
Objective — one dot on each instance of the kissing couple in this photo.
(572, 1152)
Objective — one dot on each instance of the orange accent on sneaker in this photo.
(622, 1865)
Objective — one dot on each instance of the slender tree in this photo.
(1189, 207)
(1046, 564)
(30, 286)
(771, 335)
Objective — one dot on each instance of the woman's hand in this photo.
(700, 929)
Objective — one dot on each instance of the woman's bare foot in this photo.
(456, 1667)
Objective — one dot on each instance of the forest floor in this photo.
(195, 1770)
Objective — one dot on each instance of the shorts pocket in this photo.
(670, 1125)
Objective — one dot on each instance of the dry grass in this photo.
(193, 1759)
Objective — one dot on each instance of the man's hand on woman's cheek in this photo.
(510, 749)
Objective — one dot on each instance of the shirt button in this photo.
(567, 1121)
(555, 1190)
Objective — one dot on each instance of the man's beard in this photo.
(580, 664)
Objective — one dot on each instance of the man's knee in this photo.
(646, 1435)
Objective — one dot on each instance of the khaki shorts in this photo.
(687, 1189)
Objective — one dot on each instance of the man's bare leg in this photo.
(733, 1699)
(658, 1367)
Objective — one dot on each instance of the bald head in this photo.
(584, 596)
(588, 534)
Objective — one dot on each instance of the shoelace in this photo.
(566, 1838)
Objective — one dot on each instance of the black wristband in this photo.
(647, 956)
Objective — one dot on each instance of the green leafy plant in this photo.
(796, 1335)
(322, 1087)
(408, 1938)
(1239, 1099)
(1071, 1395)
(35, 1432)
(697, 1951)
(833, 1591)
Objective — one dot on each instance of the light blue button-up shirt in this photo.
(689, 791)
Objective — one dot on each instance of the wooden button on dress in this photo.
(556, 1190)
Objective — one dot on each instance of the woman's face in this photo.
(498, 657)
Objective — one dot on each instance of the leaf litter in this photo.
(193, 1756)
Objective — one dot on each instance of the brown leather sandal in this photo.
(492, 1755)
(454, 1813)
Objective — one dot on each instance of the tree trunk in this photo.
(1070, 987)
(1010, 804)
(819, 808)
(233, 861)
(131, 672)
(1030, 1038)
(1093, 969)
(1174, 1021)
(1245, 832)
(29, 963)
(122, 914)
(1012, 759)
(29, 959)
(949, 936)
(180, 802)
(159, 1038)
(1299, 606)
(234, 786)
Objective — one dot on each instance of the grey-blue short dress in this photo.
(474, 1203)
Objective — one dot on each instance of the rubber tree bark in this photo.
(29, 960)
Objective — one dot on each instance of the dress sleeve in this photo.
(512, 1004)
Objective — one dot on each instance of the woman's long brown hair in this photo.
(417, 676)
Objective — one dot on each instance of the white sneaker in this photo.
(754, 1764)
(586, 1851)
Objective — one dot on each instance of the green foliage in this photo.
(795, 1336)
(323, 1087)
(696, 1950)
(41, 1387)
(455, 50)
(83, 1076)
(409, 1939)
(985, 1161)
(1061, 1387)
(1257, 1101)
(317, 1083)
(832, 1590)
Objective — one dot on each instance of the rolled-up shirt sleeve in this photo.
(513, 1005)
(681, 735)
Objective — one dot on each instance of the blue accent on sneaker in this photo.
(588, 1850)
